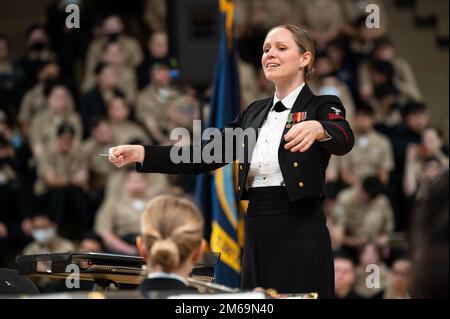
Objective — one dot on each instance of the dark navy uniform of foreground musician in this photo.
(287, 245)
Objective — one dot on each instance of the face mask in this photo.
(329, 90)
(49, 79)
(43, 236)
(163, 93)
(138, 205)
(38, 46)
(113, 36)
(363, 142)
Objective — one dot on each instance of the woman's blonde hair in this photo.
(172, 229)
(304, 43)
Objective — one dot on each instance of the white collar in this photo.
(161, 274)
(289, 100)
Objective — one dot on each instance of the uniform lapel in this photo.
(255, 124)
(261, 115)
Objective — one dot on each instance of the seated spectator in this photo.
(399, 280)
(45, 125)
(424, 161)
(63, 178)
(403, 79)
(415, 121)
(34, 101)
(419, 175)
(377, 74)
(372, 153)
(364, 214)
(385, 102)
(323, 20)
(38, 51)
(344, 276)
(159, 183)
(330, 84)
(91, 242)
(118, 219)
(370, 256)
(93, 103)
(113, 29)
(183, 111)
(113, 55)
(46, 241)
(99, 170)
(152, 102)
(124, 130)
(171, 242)
(46, 238)
(157, 49)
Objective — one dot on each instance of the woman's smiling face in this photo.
(282, 59)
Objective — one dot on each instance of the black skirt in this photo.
(287, 244)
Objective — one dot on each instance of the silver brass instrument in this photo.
(209, 287)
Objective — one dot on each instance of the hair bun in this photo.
(165, 254)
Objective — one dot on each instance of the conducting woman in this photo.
(287, 244)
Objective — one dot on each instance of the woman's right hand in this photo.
(125, 154)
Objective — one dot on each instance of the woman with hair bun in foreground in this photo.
(171, 242)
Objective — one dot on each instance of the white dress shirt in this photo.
(264, 167)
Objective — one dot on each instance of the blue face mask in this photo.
(44, 236)
(163, 93)
(329, 90)
(138, 205)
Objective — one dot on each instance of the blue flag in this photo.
(215, 193)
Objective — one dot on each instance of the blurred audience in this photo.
(399, 279)
(44, 125)
(63, 180)
(118, 219)
(123, 128)
(157, 49)
(364, 214)
(370, 263)
(113, 30)
(74, 93)
(372, 153)
(153, 101)
(344, 276)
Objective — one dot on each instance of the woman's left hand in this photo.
(302, 135)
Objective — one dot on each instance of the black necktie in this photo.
(279, 107)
